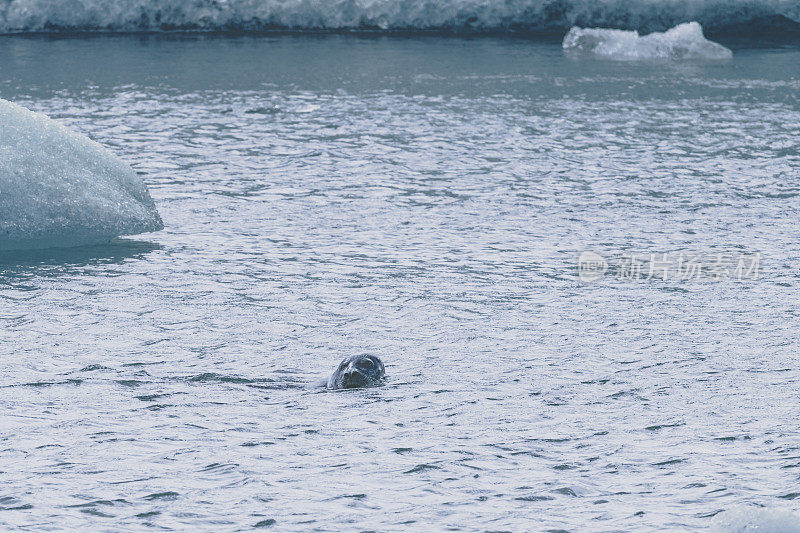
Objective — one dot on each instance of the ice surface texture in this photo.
(383, 15)
(685, 41)
(59, 188)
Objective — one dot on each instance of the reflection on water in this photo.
(19, 264)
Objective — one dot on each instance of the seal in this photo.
(357, 371)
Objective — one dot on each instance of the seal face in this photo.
(357, 371)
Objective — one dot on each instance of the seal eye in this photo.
(366, 363)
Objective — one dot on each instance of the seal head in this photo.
(357, 371)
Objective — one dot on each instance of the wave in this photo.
(60, 189)
(440, 16)
(685, 41)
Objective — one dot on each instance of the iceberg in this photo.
(684, 41)
(61, 189)
(444, 16)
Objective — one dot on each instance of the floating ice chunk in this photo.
(745, 519)
(59, 188)
(685, 41)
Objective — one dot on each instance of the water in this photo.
(424, 199)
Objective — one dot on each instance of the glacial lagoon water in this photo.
(424, 199)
